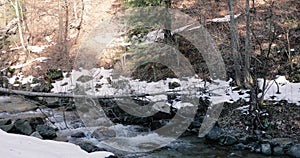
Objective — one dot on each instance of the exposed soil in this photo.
(282, 121)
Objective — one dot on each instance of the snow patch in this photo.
(16, 146)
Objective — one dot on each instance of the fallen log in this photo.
(72, 95)
(69, 95)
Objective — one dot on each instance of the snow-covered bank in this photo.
(20, 146)
(101, 82)
(281, 89)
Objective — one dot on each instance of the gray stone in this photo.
(7, 128)
(257, 149)
(5, 122)
(283, 142)
(241, 146)
(266, 149)
(23, 126)
(278, 150)
(36, 134)
(46, 132)
(228, 140)
(103, 133)
(243, 139)
(214, 133)
(78, 135)
(196, 124)
(89, 147)
(295, 151)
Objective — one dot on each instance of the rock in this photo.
(6, 125)
(228, 140)
(43, 87)
(103, 133)
(243, 140)
(7, 128)
(156, 124)
(214, 133)
(5, 122)
(14, 104)
(52, 105)
(36, 121)
(89, 147)
(46, 132)
(266, 149)
(54, 74)
(173, 85)
(195, 124)
(36, 134)
(285, 143)
(241, 146)
(257, 149)
(278, 150)
(78, 135)
(295, 151)
(23, 126)
(111, 156)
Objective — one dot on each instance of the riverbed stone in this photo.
(89, 147)
(103, 133)
(6, 125)
(278, 150)
(23, 126)
(228, 140)
(214, 133)
(285, 143)
(36, 134)
(5, 122)
(7, 128)
(78, 135)
(241, 146)
(46, 131)
(295, 151)
(266, 149)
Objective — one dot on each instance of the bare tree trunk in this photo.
(248, 81)
(168, 23)
(60, 26)
(234, 45)
(17, 7)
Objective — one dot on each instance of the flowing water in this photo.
(131, 138)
